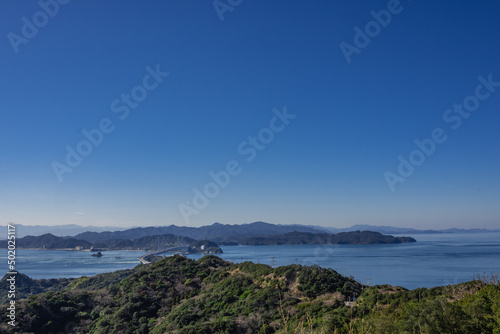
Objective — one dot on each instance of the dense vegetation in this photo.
(49, 241)
(179, 295)
(146, 243)
(25, 286)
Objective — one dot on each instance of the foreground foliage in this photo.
(180, 295)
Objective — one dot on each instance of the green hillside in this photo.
(180, 295)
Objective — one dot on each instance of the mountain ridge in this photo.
(147, 243)
(157, 242)
(216, 232)
(107, 232)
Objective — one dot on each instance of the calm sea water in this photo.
(58, 263)
(436, 259)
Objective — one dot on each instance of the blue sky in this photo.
(327, 166)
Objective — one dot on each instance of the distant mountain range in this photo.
(216, 232)
(151, 238)
(224, 233)
(57, 230)
(158, 242)
(404, 230)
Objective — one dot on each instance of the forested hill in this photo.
(49, 241)
(215, 232)
(302, 238)
(180, 295)
(258, 233)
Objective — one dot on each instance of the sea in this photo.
(434, 260)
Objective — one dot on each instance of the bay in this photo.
(434, 260)
(69, 264)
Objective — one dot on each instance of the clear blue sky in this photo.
(328, 166)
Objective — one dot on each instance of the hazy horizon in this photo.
(246, 223)
(181, 113)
